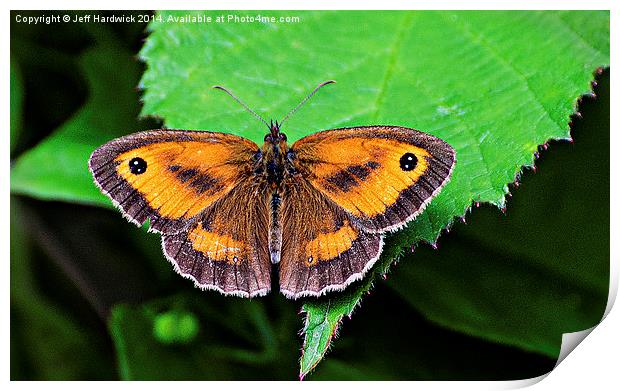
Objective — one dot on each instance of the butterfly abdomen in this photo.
(275, 228)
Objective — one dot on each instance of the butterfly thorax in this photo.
(275, 161)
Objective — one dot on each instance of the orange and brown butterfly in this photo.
(228, 209)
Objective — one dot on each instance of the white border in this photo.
(592, 365)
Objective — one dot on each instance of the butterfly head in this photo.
(275, 136)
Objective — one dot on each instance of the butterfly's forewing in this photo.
(170, 176)
(196, 189)
(383, 176)
(322, 249)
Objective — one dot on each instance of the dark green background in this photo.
(71, 264)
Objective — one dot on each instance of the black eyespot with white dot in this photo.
(137, 166)
(408, 161)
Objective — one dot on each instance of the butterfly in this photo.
(227, 209)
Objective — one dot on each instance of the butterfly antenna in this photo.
(306, 99)
(242, 104)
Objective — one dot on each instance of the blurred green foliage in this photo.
(175, 327)
(93, 298)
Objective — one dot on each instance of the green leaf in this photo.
(495, 85)
(175, 327)
(57, 168)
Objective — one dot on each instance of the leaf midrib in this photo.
(393, 54)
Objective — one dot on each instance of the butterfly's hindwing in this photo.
(322, 249)
(225, 249)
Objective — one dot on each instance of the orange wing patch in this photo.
(218, 247)
(329, 245)
(181, 179)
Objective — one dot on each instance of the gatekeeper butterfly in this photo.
(227, 209)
